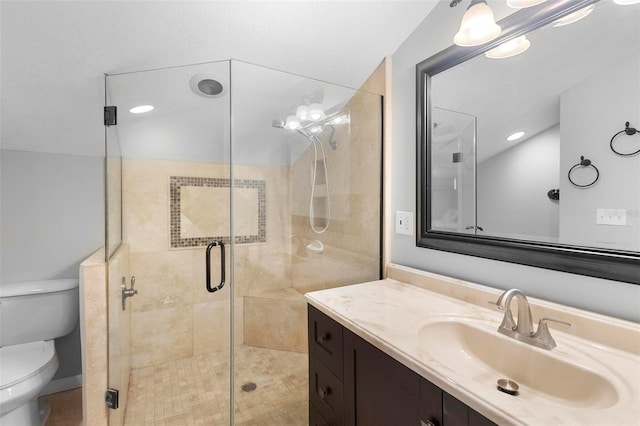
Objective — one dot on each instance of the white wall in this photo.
(610, 297)
(586, 129)
(52, 218)
(519, 207)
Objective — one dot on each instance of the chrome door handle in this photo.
(127, 292)
(211, 289)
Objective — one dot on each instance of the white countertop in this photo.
(389, 314)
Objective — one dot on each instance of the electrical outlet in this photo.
(404, 223)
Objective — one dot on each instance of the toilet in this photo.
(32, 314)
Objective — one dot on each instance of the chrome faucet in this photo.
(523, 329)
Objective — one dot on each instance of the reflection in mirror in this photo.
(569, 90)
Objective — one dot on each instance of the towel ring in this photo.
(629, 131)
(584, 163)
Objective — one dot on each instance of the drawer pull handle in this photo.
(325, 337)
(324, 392)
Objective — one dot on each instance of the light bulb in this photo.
(292, 123)
(316, 112)
(478, 26)
(509, 48)
(302, 112)
(316, 129)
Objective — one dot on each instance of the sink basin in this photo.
(475, 350)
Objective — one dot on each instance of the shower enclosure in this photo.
(273, 179)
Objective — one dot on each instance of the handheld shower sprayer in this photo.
(279, 124)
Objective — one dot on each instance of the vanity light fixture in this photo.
(519, 4)
(515, 136)
(478, 25)
(574, 17)
(141, 109)
(509, 48)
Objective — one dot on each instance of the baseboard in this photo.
(64, 384)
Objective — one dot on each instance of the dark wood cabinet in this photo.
(368, 387)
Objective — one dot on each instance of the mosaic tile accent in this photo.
(178, 240)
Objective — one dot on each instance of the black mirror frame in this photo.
(602, 263)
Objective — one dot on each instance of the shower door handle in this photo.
(211, 289)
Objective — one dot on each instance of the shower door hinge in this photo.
(111, 398)
(457, 157)
(110, 115)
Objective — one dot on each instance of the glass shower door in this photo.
(175, 185)
(453, 172)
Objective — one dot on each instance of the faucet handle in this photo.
(543, 335)
(561, 323)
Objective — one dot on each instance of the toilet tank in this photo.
(37, 310)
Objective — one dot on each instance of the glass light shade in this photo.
(292, 123)
(626, 2)
(509, 48)
(316, 112)
(573, 17)
(302, 112)
(141, 109)
(478, 26)
(519, 4)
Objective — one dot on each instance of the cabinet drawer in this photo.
(325, 392)
(325, 341)
(315, 419)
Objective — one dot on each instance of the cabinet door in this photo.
(455, 413)
(430, 403)
(382, 391)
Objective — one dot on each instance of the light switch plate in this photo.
(616, 217)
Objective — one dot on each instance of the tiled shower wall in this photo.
(352, 241)
(173, 315)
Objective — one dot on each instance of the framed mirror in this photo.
(559, 197)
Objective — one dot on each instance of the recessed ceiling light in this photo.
(509, 48)
(515, 136)
(626, 2)
(574, 17)
(141, 109)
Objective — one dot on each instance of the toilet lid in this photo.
(19, 362)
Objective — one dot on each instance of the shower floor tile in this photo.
(193, 391)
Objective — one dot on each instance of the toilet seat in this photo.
(24, 370)
(24, 361)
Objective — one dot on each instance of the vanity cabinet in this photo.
(351, 382)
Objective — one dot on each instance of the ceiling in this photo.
(54, 53)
